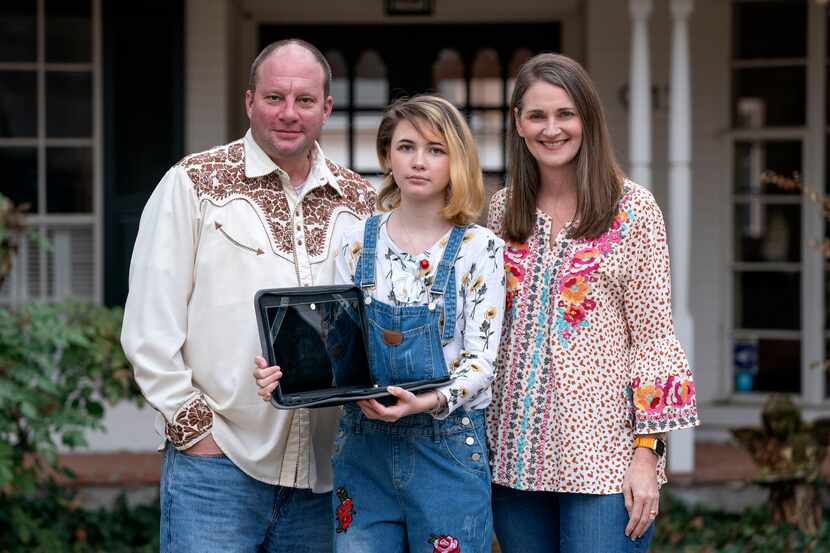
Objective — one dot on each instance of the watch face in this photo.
(659, 447)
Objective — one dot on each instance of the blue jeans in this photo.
(549, 522)
(208, 505)
(417, 485)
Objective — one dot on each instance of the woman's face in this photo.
(550, 125)
(420, 162)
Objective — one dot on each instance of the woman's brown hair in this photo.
(599, 179)
(465, 194)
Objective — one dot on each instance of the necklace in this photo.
(407, 238)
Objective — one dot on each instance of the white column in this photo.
(681, 447)
(207, 73)
(639, 97)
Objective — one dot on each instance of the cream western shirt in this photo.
(221, 225)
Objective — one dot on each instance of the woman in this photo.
(414, 474)
(590, 372)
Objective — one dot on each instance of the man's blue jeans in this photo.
(549, 522)
(209, 505)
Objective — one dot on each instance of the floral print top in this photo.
(402, 279)
(588, 354)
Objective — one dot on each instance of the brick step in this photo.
(714, 463)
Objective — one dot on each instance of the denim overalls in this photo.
(418, 484)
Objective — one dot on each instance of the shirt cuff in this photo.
(191, 422)
(445, 412)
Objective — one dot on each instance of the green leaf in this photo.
(28, 410)
(95, 409)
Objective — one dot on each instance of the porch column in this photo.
(639, 97)
(681, 447)
(207, 73)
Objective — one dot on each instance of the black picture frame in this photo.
(409, 7)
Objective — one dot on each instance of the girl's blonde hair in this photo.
(465, 193)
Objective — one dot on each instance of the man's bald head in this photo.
(274, 47)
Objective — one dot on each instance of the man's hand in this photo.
(642, 496)
(407, 404)
(267, 378)
(205, 446)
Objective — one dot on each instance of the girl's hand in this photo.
(407, 404)
(267, 378)
(642, 496)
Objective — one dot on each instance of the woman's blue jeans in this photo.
(550, 522)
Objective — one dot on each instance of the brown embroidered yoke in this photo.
(221, 225)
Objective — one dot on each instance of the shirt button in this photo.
(299, 242)
(465, 421)
(470, 440)
(476, 456)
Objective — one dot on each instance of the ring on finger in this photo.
(652, 514)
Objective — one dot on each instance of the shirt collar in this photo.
(258, 164)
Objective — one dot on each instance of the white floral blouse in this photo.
(479, 281)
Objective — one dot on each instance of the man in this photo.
(260, 212)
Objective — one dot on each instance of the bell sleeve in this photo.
(662, 389)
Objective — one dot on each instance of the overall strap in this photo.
(364, 275)
(447, 263)
(444, 283)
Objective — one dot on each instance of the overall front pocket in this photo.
(402, 356)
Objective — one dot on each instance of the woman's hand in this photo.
(642, 496)
(267, 378)
(407, 404)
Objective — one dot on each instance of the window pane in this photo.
(767, 365)
(68, 31)
(18, 104)
(448, 77)
(767, 232)
(768, 300)
(770, 29)
(778, 92)
(520, 56)
(68, 104)
(365, 132)
(70, 262)
(486, 84)
(486, 127)
(371, 85)
(20, 179)
(339, 79)
(334, 139)
(18, 31)
(753, 159)
(69, 180)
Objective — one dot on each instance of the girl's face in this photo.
(420, 162)
(550, 125)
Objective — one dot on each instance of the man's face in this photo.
(288, 108)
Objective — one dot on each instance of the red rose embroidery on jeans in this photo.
(444, 544)
(345, 511)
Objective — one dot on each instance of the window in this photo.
(473, 66)
(775, 268)
(49, 72)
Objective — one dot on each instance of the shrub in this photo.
(58, 364)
